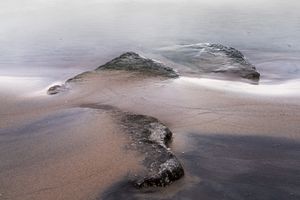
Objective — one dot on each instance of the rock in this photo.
(212, 58)
(151, 138)
(79, 77)
(55, 89)
(131, 61)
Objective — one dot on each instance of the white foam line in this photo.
(25, 86)
(43, 91)
(288, 88)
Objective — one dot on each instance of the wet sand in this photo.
(232, 143)
(229, 167)
(235, 140)
(189, 106)
(74, 153)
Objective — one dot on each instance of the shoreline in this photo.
(183, 106)
(116, 123)
(141, 99)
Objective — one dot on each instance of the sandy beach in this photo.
(52, 147)
(185, 99)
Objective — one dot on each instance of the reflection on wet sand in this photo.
(236, 141)
(51, 147)
(231, 167)
(72, 154)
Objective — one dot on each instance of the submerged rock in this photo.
(151, 138)
(131, 61)
(212, 58)
(55, 89)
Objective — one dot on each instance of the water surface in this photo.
(40, 37)
(236, 140)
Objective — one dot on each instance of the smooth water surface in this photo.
(41, 36)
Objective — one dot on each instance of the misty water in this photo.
(231, 146)
(59, 38)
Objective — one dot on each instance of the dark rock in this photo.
(151, 138)
(212, 58)
(79, 77)
(131, 61)
(55, 89)
(230, 167)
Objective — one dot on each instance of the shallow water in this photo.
(65, 154)
(229, 167)
(234, 138)
(289, 88)
(34, 135)
(37, 36)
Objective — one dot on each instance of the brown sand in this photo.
(75, 153)
(185, 106)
